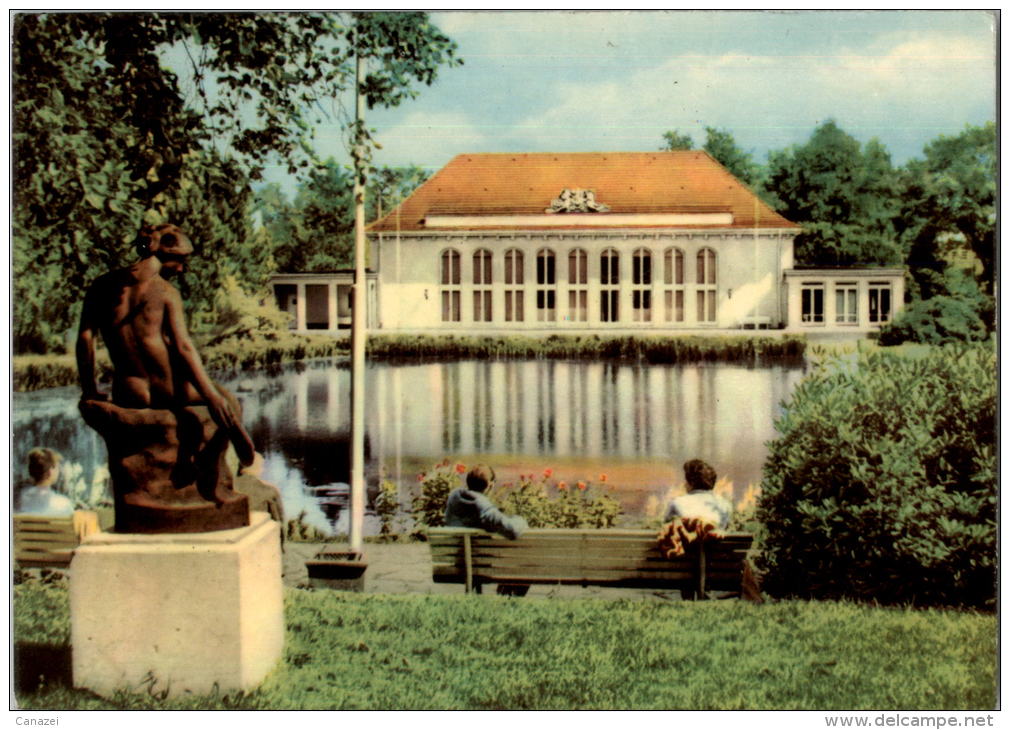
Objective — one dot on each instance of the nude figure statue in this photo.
(164, 451)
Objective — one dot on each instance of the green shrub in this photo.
(386, 506)
(937, 321)
(882, 482)
(231, 354)
(36, 372)
(245, 317)
(654, 349)
(428, 507)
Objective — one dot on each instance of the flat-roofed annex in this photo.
(680, 189)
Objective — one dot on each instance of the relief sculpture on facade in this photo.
(576, 200)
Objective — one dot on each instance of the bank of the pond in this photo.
(36, 372)
(408, 652)
(671, 349)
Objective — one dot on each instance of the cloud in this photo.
(923, 81)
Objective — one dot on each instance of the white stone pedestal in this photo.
(187, 613)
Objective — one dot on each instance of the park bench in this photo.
(49, 542)
(613, 558)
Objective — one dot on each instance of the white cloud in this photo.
(925, 81)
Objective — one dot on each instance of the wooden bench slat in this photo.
(50, 541)
(622, 558)
(572, 541)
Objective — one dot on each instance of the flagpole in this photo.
(358, 321)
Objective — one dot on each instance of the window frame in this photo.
(546, 285)
(706, 285)
(610, 285)
(514, 278)
(450, 285)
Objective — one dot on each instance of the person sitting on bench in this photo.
(39, 498)
(469, 507)
(699, 515)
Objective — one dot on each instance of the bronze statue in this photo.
(168, 425)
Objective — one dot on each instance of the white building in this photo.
(610, 242)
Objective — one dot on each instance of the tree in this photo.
(950, 208)
(315, 232)
(844, 196)
(720, 144)
(677, 141)
(388, 186)
(104, 133)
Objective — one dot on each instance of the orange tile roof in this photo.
(686, 181)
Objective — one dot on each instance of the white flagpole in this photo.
(358, 324)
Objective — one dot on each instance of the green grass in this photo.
(364, 651)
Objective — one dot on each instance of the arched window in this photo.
(450, 281)
(513, 285)
(641, 285)
(610, 282)
(673, 280)
(706, 285)
(578, 279)
(546, 286)
(482, 285)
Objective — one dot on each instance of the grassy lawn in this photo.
(365, 651)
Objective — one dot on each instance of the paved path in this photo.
(406, 568)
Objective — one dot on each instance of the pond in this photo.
(635, 423)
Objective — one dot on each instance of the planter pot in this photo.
(341, 571)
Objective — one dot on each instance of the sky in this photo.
(616, 80)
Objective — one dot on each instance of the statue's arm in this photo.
(86, 335)
(176, 319)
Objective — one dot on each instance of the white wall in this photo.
(749, 280)
(862, 279)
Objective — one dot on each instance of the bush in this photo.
(546, 503)
(882, 483)
(543, 502)
(653, 349)
(937, 321)
(429, 506)
(386, 506)
(243, 317)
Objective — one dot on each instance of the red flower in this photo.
(603, 478)
(562, 485)
(460, 468)
(580, 485)
(548, 473)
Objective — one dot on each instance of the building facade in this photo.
(656, 241)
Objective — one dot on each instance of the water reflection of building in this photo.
(570, 409)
